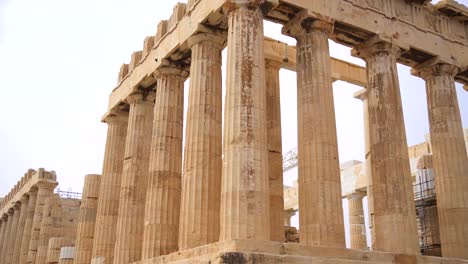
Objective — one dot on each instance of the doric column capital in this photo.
(361, 95)
(357, 194)
(302, 24)
(290, 212)
(46, 184)
(139, 97)
(10, 212)
(4, 217)
(232, 5)
(17, 206)
(172, 69)
(116, 117)
(32, 191)
(434, 67)
(377, 45)
(24, 198)
(212, 37)
(275, 64)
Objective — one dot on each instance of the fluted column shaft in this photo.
(23, 255)
(356, 221)
(86, 224)
(6, 241)
(449, 158)
(275, 150)
(55, 244)
(128, 243)
(12, 234)
(201, 184)
(164, 185)
(20, 229)
(245, 200)
(50, 227)
(320, 202)
(391, 202)
(4, 219)
(3, 228)
(362, 95)
(109, 190)
(45, 189)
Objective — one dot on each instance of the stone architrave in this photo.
(320, 202)
(130, 222)
(275, 150)
(449, 156)
(109, 190)
(245, 200)
(391, 203)
(164, 183)
(201, 184)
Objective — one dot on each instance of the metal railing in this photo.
(68, 194)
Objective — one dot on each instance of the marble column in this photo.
(391, 202)
(55, 244)
(201, 184)
(275, 149)
(449, 156)
(23, 257)
(45, 190)
(6, 241)
(362, 95)
(320, 202)
(245, 197)
(356, 221)
(20, 229)
(109, 190)
(13, 233)
(50, 227)
(3, 227)
(164, 184)
(128, 245)
(86, 223)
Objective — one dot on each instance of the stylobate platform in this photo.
(253, 251)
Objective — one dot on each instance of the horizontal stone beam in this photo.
(423, 32)
(341, 70)
(39, 175)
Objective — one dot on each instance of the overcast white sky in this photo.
(59, 61)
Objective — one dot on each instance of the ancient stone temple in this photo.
(216, 196)
(221, 202)
(36, 221)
